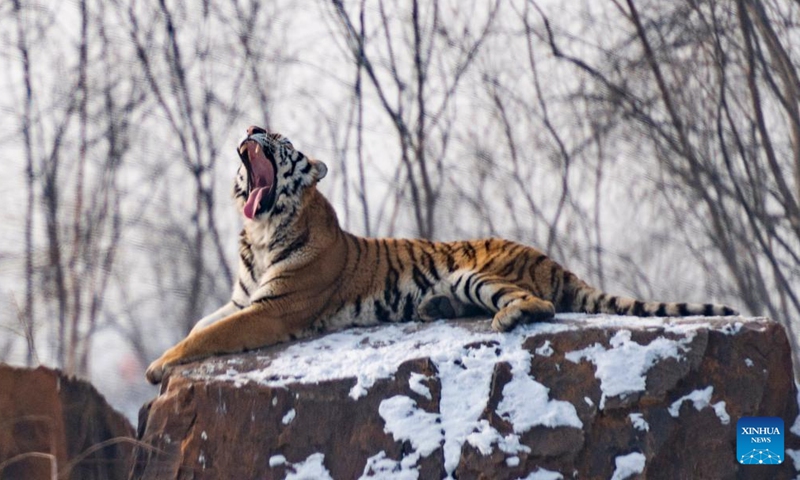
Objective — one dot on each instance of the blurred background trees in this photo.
(652, 147)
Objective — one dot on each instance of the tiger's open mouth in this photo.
(260, 178)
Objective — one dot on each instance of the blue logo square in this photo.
(759, 441)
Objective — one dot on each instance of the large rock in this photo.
(53, 426)
(591, 397)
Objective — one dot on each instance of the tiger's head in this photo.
(273, 175)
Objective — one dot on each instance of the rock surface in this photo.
(583, 397)
(63, 419)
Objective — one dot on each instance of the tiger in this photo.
(300, 274)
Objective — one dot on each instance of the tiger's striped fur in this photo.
(300, 274)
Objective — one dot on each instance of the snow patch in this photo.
(545, 350)
(628, 465)
(380, 467)
(485, 436)
(622, 368)
(416, 385)
(312, 468)
(701, 400)
(465, 377)
(795, 456)
(287, 419)
(543, 474)
(276, 460)
(523, 396)
(731, 329)
(722, 413)
(406, 422)
(638, 422)
(465, 374)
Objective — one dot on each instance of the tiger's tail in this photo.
(587, 299)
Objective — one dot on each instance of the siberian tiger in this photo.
(300, 274)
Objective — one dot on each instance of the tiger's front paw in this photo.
(155, 372)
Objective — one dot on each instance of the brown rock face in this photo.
(53, 426)
(581, 397)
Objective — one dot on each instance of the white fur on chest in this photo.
(260, 235)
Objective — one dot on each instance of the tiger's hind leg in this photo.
(510, 303)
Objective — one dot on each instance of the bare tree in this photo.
(27, 315)
(414, 63)
(713, 90)
(73, 150)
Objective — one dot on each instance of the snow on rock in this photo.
(543, 474)
(380, 467)
(276, 460)
(465, 374)
(545, 350)
(465, 379)
(722, 413)
(638, 422)
(406, 422)
(311, 468)
(622, 368)
(628, 465)
(701, 399)
(583, 396)
(370, 354)
(287, 419)
(526, 404)
(487, 436)
(415, 382)
(795, 456)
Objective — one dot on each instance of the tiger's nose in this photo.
(252, 130)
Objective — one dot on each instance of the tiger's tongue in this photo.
(263, 178)
(253, 201)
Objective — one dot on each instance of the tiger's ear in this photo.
(319, 169)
